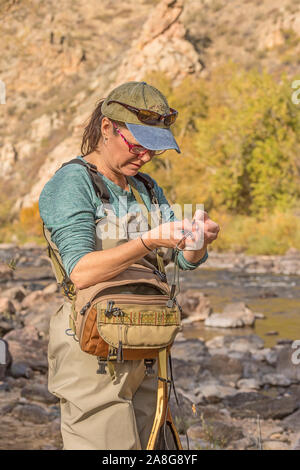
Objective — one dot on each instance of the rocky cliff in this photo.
(58, 60)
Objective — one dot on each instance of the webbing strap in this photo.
(139, 199)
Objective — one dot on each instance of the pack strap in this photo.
(63, 280)
(98, 183)
(139, 199)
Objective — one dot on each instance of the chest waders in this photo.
(132, 316)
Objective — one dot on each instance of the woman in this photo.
(125, 131)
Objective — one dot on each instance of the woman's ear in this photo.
(106, 128)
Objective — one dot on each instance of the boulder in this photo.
(220, 364)
(38, 392)
(27, 347)
(217, 433)
(235, 315)
(278, 380)
(6, 273)
(288, 363)
(265, 407)
(249, 384)
(292, 422)
(195, 305)
(32, 413)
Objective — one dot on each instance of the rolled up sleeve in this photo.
(67, 207)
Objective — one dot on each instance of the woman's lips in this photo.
(136, 165)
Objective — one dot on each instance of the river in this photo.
(276, 296)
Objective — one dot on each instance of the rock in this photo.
(248, 442)
(292, 422)
(276, 379)
(217, 433)
(275, 445)
(189, 373)
(6, 273)
(235, 315)
(213, 392)
(4, 386)
(296, 445)
(216, 342)
(162, 46)
(14, 293)
(250, 384)
(19, 369)
(32, 413)
(240, 310)
(6, 306)
(196, 306)
(237, 342)
(51, 288)
(287, 363)
(19, 382)
(218, 320)
(265, 407)
(222, 365)
(26, 346)
(38, 392)
(30, 299)
(191, 349)
(222, 351)
(284, 341)
(245, 344)
(266, 354)
(259, 316)
(8, 158)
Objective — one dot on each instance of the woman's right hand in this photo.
(168, 234)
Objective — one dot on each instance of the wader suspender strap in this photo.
(139, 199)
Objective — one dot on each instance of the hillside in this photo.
(58, 60)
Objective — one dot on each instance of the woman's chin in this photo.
(131, 169)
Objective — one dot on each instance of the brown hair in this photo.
(92, 132)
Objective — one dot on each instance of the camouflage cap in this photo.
(142, 96)
(138, 94)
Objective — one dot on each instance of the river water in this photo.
(276, 296)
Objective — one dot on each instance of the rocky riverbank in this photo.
(234, 393)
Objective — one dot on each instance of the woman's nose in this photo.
(146, 157)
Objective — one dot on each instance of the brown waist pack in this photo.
(128, 317)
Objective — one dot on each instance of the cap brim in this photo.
(153, 138)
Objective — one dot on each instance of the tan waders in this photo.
(134, 313)
(96, 412)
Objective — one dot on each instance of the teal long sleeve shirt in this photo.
(69, 206)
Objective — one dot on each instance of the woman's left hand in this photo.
(204, 227)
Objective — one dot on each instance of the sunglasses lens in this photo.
(149, 117)
(170, 119)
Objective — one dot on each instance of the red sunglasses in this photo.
(137, 149)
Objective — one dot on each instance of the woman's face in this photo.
(116, 151)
